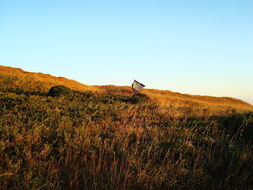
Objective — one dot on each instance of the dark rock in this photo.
(60, 90)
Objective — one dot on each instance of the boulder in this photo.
(60, 90)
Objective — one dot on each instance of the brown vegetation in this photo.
(17, 79)
(104, 138)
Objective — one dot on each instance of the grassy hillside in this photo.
(101, 137)
(14, 79)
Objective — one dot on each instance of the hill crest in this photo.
(16, 79)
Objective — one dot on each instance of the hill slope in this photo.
(101, 137)
(15, 79)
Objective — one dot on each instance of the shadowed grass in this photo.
(93, 141)
(108, 139)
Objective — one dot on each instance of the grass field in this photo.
(101, 137)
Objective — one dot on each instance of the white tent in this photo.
(137, 86)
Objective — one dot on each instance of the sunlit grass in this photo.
(110, 140)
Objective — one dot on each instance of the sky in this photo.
(200, 47)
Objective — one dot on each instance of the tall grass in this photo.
(94, 141)
(106, 139)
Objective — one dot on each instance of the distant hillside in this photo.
(15, 79)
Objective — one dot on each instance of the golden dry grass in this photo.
(107, 139)
(200, 105)
(38, 81)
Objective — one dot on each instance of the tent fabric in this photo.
(137, 86)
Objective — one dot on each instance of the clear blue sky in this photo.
(189, 46)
